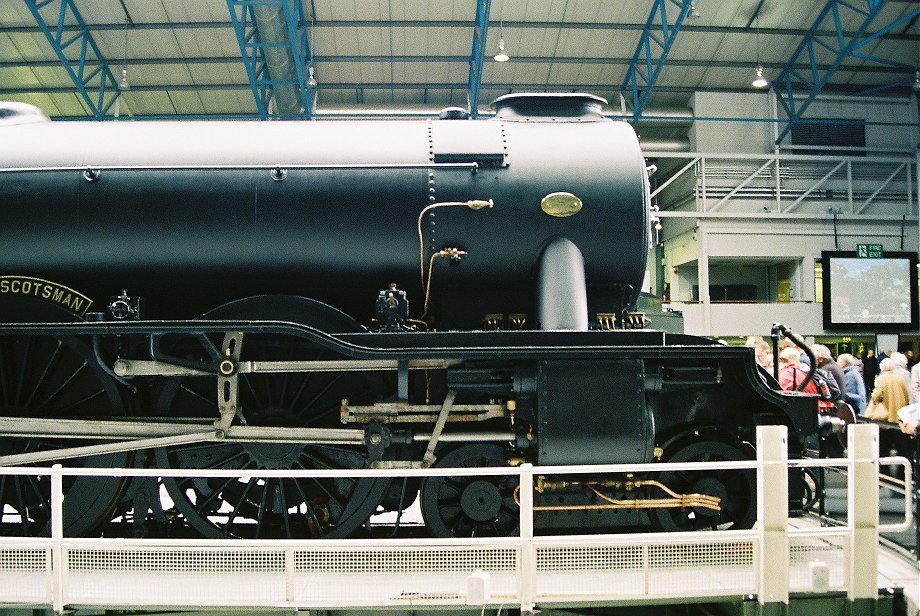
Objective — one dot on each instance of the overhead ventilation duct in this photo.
(12, 113)
(661, 116)
(279, 59)
(669, 116)
(657, 144)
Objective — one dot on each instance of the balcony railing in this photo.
(788, 183)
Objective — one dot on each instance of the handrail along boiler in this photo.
(237, 296)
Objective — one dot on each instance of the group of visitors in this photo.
(880, 388)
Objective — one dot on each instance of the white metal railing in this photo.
(788, 183)
(769, 560)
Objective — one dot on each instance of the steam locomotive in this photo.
(279, 295)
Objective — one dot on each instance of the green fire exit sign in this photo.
(869, 251)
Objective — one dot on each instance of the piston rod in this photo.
(133, 436)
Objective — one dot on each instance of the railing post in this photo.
(850, 186)
(57, 537)
(701, 204)
(910, 189)
(862, 515)
(773, 518)
(916, 472)
(779, 187)
(527, 570)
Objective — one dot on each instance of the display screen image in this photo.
(861, 293)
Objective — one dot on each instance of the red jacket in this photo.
(792, 375)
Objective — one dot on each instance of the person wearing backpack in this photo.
(792, 374)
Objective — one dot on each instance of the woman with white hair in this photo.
(889, 395)
(854, 389)
(900, 367)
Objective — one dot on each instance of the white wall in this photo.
(727, 137)
(757, 137)
(800, 238)
(749, 319)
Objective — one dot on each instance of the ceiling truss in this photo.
(90, 73)
(821, 53)
(840, 46)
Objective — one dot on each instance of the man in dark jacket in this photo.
(827, 363)
(869, 369)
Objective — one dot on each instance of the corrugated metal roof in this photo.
(183, 58)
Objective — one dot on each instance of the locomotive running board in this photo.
(144, 367)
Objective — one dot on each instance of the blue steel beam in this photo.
(247, 36)
(301, 51)
(841, 45)
(446, 86)
(477, 56)
(252, 48)
(885, 86)
(652, 52)
(447, 24)
(97, 86)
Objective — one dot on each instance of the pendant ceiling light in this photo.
(760, 82)
(502, 55)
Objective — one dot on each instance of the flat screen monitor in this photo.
(875, 294)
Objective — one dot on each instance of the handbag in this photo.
(877, 410)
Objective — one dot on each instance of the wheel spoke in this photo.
(41, 379)
(217, 464)
(66, 384)
(23, 370)
(197, 394)
(252, 390)
(3, 503)
(236, 508)
(310, 511)
(43, 376)
(333, 497)
(310, 454)
(317, 396)
(4, 370)
(282, 395)
(75, 405)
(213, 495)
(23, 508)
(284, 509)
(305, 379)
(260, 512)
(42, 499)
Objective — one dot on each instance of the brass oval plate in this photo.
(560, 204)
